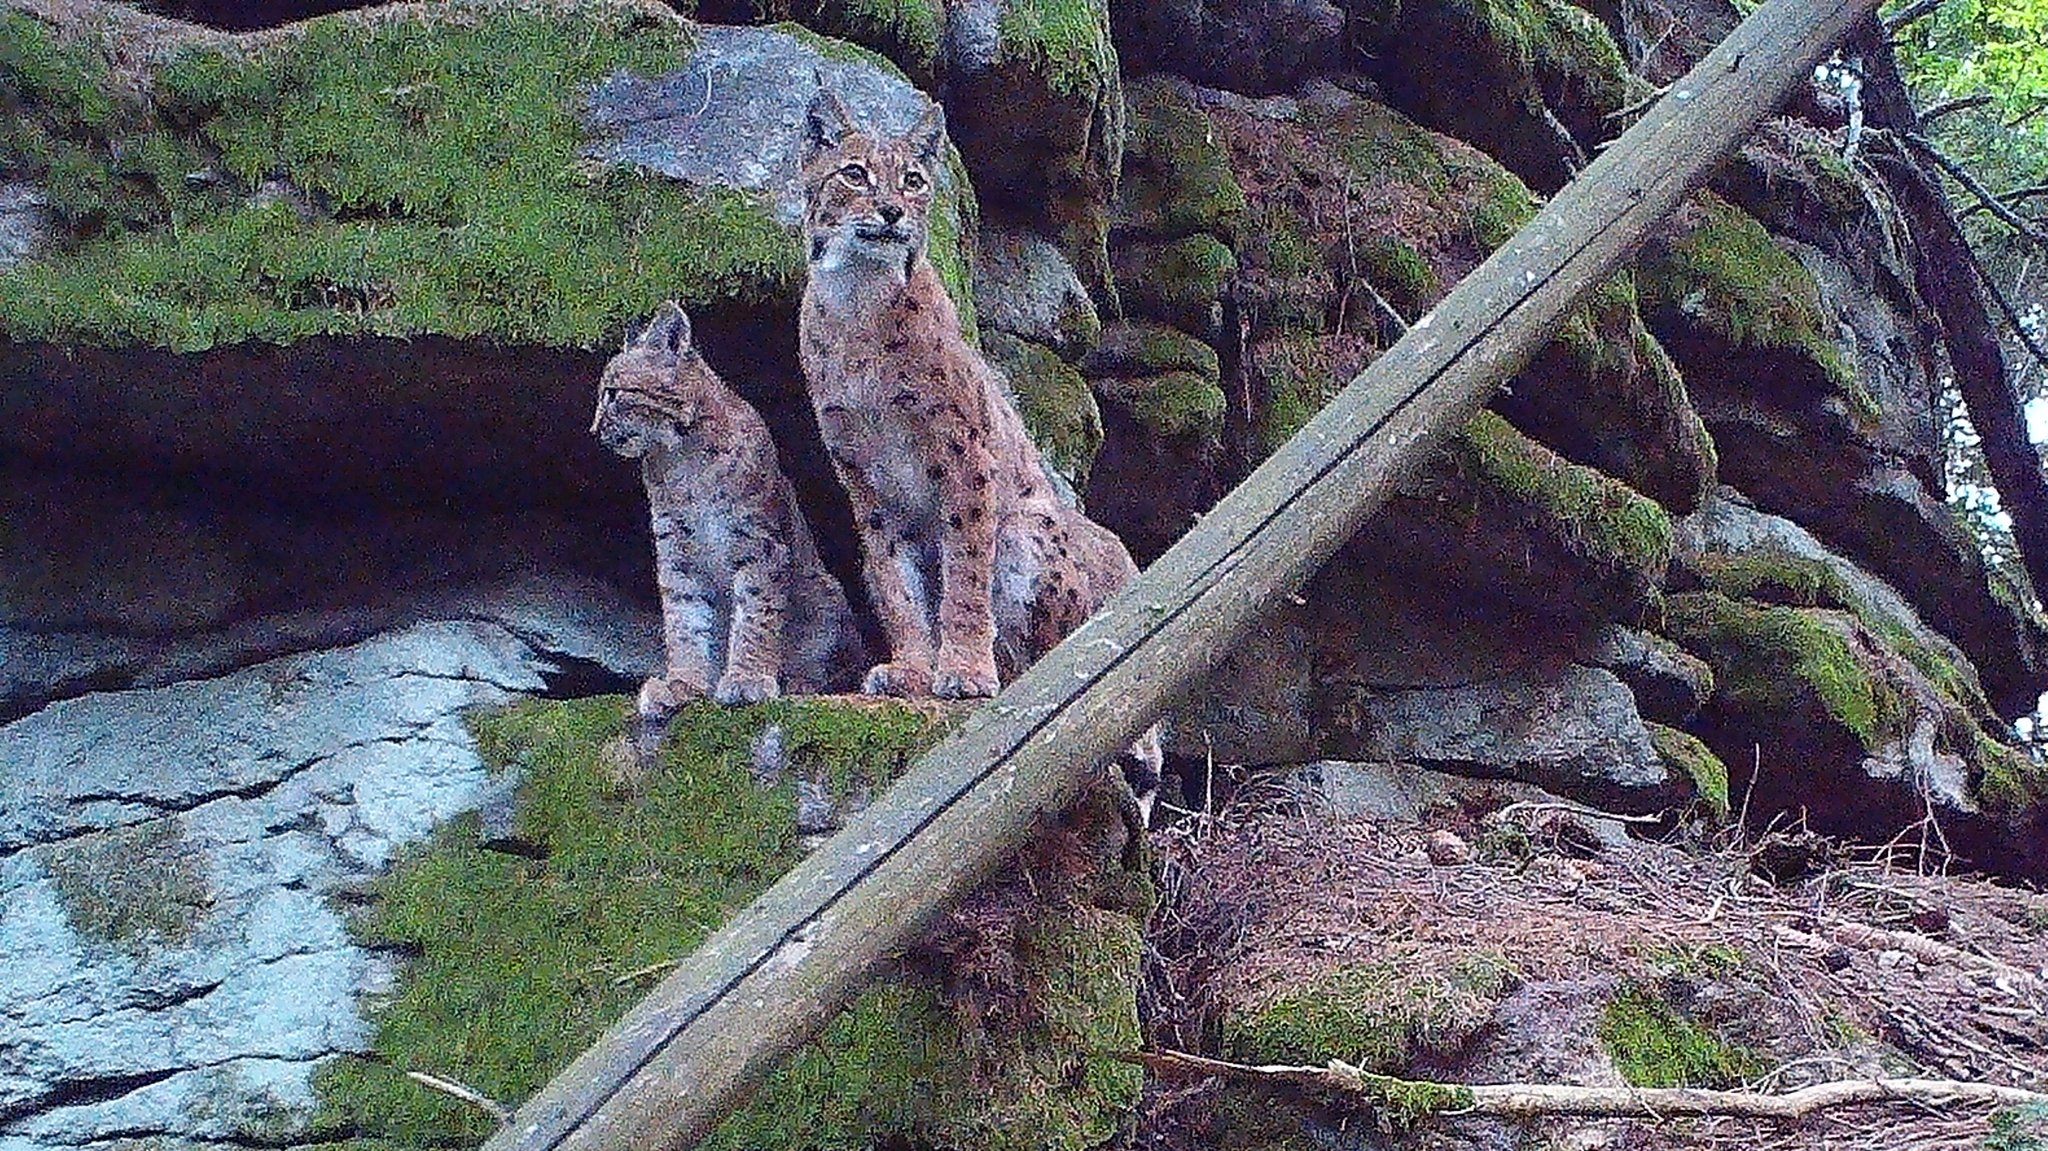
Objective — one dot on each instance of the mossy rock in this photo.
(1604, 521)
(1771, 658)
(1653, 1044)
(519, 962)
(1054, 400)
(1148, 348)
(1168, 381)
(1177, 177)
(417, 173)
(1170, 405)
(1722, 272)
(1606, 393)
(1504, 74)
(909, 33)
(1686, 756)
(1176, 282)
(1377, 1017)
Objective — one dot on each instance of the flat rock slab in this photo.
(735, 117)
(174, 968)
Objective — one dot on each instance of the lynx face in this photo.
(866, 199)
(648, 396)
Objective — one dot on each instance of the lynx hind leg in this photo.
(1134, 777)
(663, 695)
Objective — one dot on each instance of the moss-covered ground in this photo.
(1377, 1016)
(516, 961)
(393, 177)
(1653, 1044)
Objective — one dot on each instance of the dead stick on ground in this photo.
(476, 1099)
(1416, 1098)
(1930, 951)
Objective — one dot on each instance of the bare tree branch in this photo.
(1910, 13)
(1985, 196)
(1415, 1098)
(1950, 107)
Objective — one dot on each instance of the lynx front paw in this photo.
(664, 695)
(735, 689)
(965, 683)
(902, 680)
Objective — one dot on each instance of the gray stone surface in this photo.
(735, 117)
(24, 222)
(1575, 732)
(1669, 683)
(274, 785)
(1023, 286)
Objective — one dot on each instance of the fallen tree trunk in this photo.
(680, 1060)
(1407, 1100)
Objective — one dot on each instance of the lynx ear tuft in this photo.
(826, 122)
(669, 330)
(928, 134)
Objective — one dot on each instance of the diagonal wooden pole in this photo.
(679, 1061)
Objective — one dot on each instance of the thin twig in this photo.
(640, 973)
(1535, 1100)
(468, 1095)
(1975, 187)
(1910, 13)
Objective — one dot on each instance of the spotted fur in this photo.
(747, 609)
(975, 566)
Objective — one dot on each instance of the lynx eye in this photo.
(855, 174)
(914, 181)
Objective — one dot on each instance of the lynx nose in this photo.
(890, 213)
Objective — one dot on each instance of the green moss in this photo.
(1178, 281)
(905, 31)
(133, 887)
(2019, 1129)
(521, 962)
(954, 221)
(1176, 404)
(1682, 751)
(1376, 1017)
(1299, 380)
(1405, 1102)
(1608, 522)
(899, 1063)
(1058, 409)
(1654, 1045)
(1500, 209)
(1400, 274)
(1775, 576)
(1729, 275)
(431, 184)
(1066, 41)
(2010, 781)
(1143, 348)
(1177, 177)
(1769, 657)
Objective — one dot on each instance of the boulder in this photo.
(1024, 287)
(1034, 99)
(1574, 732)
(1246, 46)
(1819, 392)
